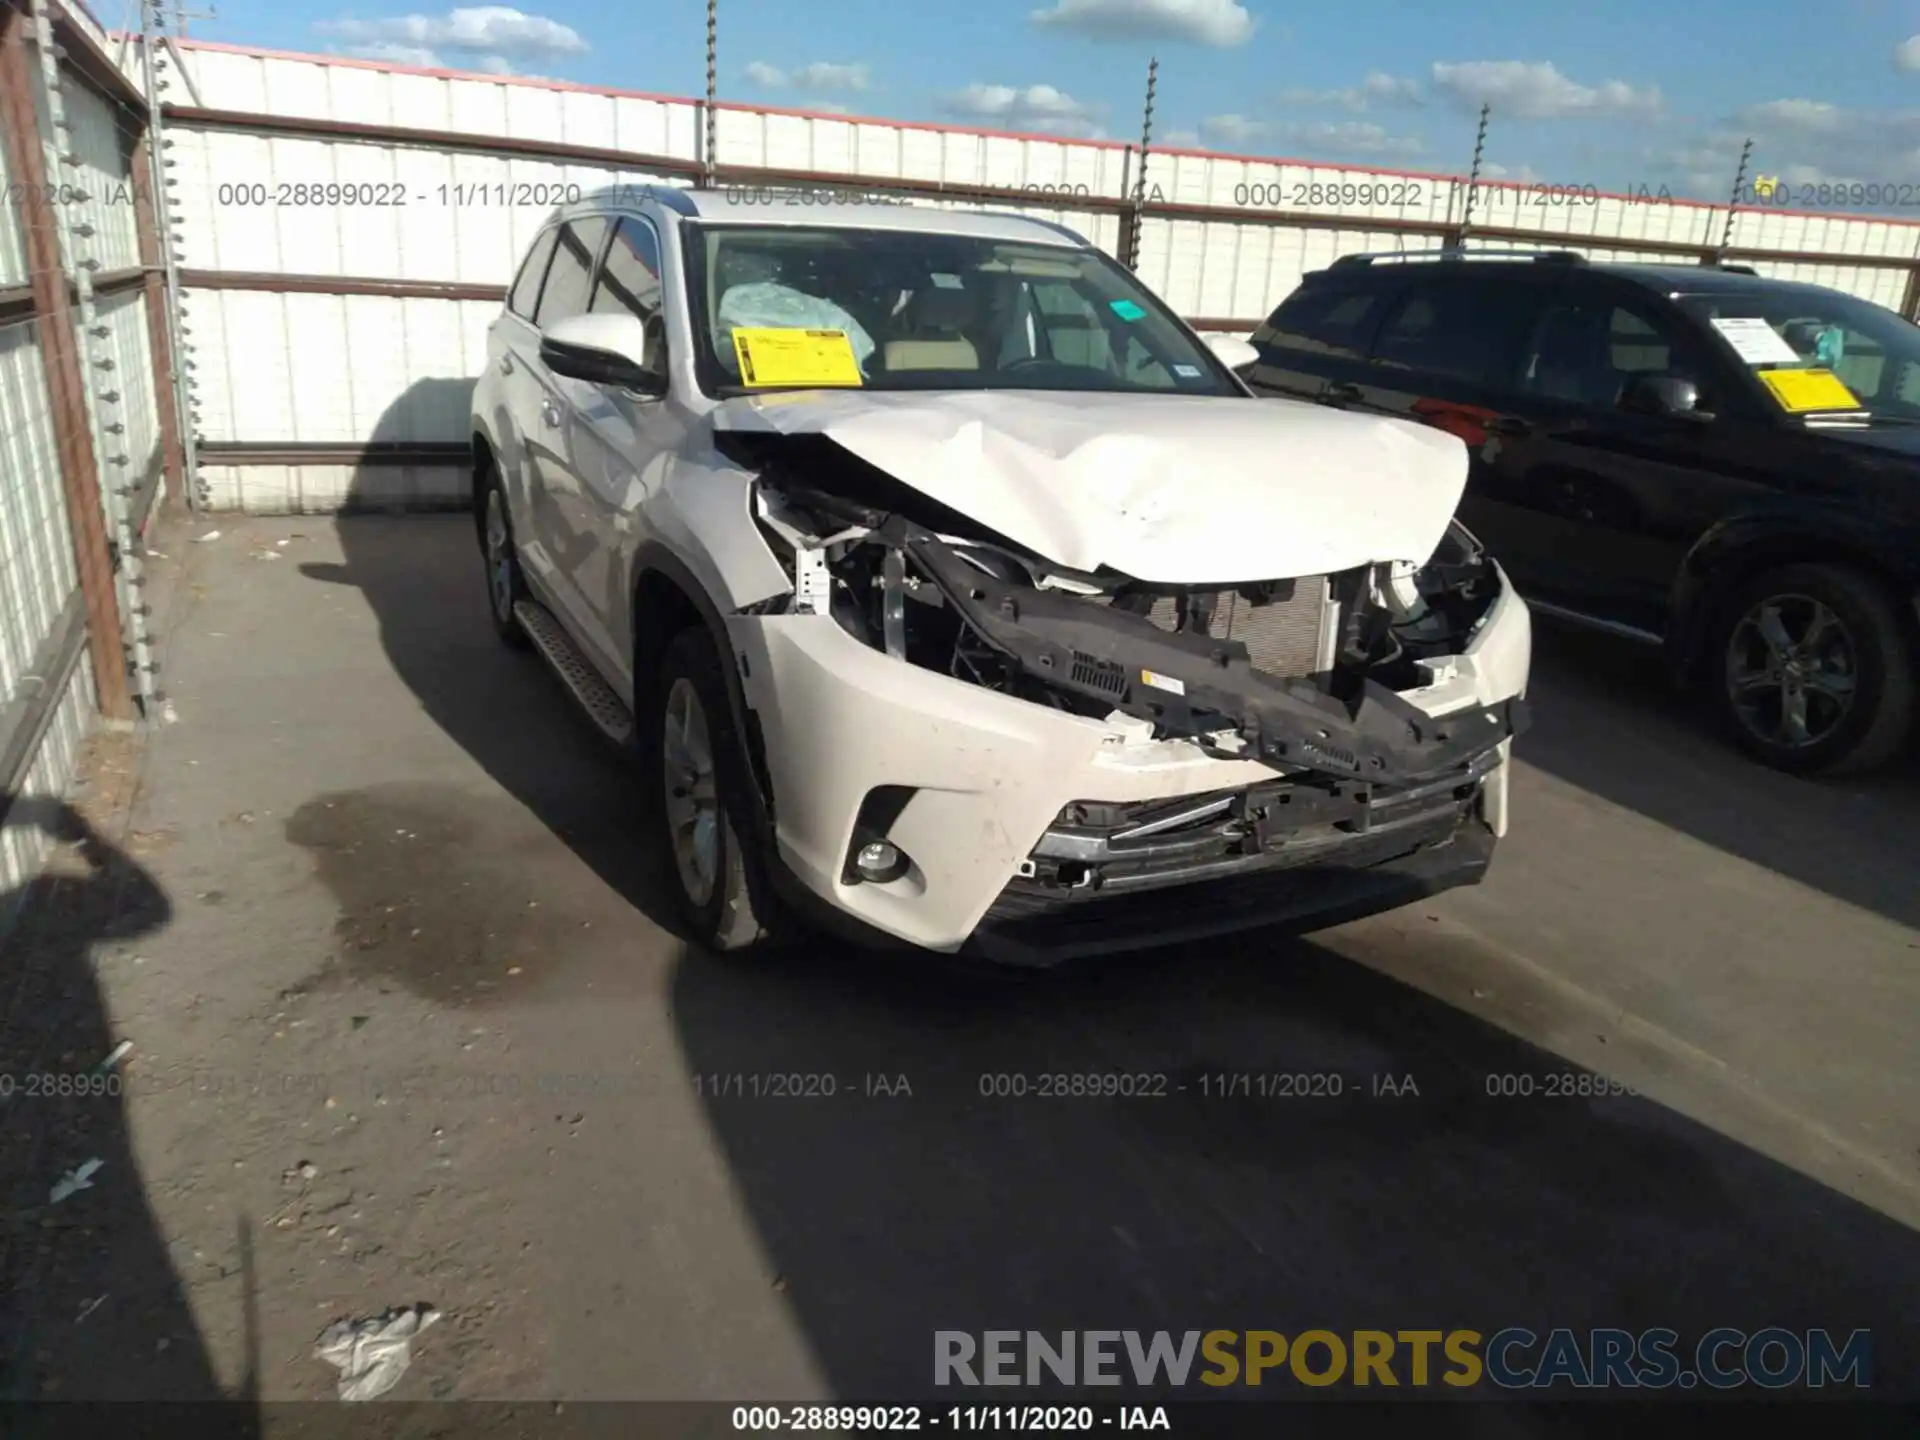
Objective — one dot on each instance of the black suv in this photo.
(1690, 456)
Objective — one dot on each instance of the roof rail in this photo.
(1733, 269)
(1552, 257)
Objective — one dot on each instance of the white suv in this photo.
(948, 584)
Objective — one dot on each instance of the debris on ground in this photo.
(74, 1181)
(114, 1057)
(210, 535)
(372, 1354)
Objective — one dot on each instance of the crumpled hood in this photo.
(1169, 489)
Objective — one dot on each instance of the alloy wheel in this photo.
(1792, 670)
(499, 558)
(692, 797)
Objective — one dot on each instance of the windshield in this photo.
(908, 310)
(1875, 352)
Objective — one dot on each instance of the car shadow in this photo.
(426, 585)
(92, 1307)
(1361, 1176)
(1608, 722)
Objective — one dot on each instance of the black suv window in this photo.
(1329, 319)
(524, 298)
(570, 277)
(1586, 349)
(1458, 327)
(630, 275)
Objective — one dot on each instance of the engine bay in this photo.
(1303, 673)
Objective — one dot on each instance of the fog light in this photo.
(879, 861)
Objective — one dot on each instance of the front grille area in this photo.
(1097, 849)
(1282, 634)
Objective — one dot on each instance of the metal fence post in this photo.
(180, 383)
(54, 317)
(1131, 252)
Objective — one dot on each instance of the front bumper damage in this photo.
(1170, 791)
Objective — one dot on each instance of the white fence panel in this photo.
(326, 489)
(36, 553)
(339, 369)
(102, 172)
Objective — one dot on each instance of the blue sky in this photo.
(1636, 92)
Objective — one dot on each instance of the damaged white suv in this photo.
(949, 585)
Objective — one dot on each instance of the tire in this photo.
(726, 902)
(506, 587)
(1850, 661)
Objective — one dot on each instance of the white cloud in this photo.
(1376, 89)
(1802, 143)
(491, 39)
(1535, 90)
(1351, 139)
(1181, 139)
(1222, 23)
(1513, 175)
(1355, 139)
(1037, 107)
(823, 76)
(1804, 117)
(392, 54)
(1235, 129)
(487, 29)
(819, 76)
(1906, 54)
(829, 107)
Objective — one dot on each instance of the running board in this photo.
(596, 697)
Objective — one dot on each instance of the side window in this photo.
(1636, 347)
(524, 298)
(630, 275)
(1458, 329)
(570, 277)
(1587, 350)
(1330, 321)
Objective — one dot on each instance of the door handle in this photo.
(506, 364)
(1508, 425)
(1342, 393)
(550, 412)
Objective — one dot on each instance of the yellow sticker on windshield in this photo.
(796, 357)
(1799, 391)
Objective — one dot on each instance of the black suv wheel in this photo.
(1812, 670)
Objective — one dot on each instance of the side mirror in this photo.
(1232, 351)
(617, 350)
(1672, 396)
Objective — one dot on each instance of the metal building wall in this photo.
(333, 339)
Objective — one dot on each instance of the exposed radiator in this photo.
(1283, 637)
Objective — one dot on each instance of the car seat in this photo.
(934, 339)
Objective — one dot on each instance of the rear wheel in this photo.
(505, 587)
(704, 812)
(1814, 670)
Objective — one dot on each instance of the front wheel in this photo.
(704, 812)
(505, 587)
(1815, 670)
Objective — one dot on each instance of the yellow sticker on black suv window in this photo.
(796, 357)
(1799, 391)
